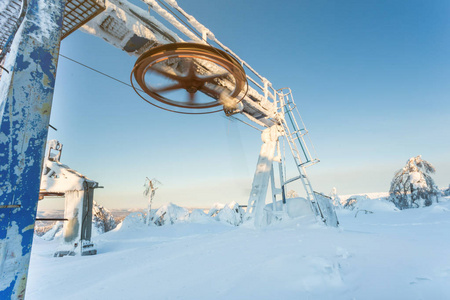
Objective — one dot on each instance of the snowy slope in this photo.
(389, 254)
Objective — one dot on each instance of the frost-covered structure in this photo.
(136, 31)
(78, 190)
(295, 207)
(412, 186)
(130, 28)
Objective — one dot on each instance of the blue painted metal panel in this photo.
(23, 133)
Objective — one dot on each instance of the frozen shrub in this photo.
(170, 214)
(53, 232)
(215, 209)
(352, 201)
(231, 213)
(102, 219)
(336, 200)
(446, 192)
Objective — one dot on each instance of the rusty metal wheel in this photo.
(190, 77)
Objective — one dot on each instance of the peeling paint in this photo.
(29, 227)
(25, 105)
(21, 287)
(46, 108)
(46, 80)
(10, 266)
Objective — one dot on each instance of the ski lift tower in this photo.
(203, 76)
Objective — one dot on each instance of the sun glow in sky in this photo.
(370, 78)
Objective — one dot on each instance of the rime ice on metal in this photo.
(78, 190)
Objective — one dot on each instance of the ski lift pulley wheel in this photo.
(189, 68)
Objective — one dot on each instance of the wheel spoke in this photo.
(167, 74)
(212, 92)
(167, 88)
(191, 99)
(191, 69)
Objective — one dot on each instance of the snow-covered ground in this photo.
(386, 254)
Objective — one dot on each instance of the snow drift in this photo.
(385, 255)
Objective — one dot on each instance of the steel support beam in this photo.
(25, 113)
(257, 199)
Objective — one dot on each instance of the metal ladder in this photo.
(10, 19)
(295, 136)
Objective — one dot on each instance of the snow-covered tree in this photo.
(170, 214)
(150, 188)
(412, 186)
(447, 191)
(102, 219)
(335, 198)
(352, 202)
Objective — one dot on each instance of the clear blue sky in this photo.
(371, 79)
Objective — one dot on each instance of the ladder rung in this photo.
(300, 131)
(309, 162)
